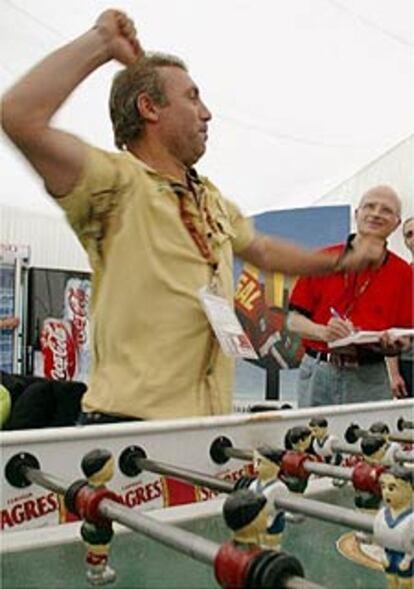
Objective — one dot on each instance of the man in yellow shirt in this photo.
(155, 232)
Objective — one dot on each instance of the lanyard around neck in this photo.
(186, 216)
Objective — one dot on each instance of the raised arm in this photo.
(29, 106)
(279, 255)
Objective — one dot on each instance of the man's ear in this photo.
(148, 110)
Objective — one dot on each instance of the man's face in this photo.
(183, 121)
(408, 230)
(378, 213)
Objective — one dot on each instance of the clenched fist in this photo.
(369, 251)
(120, 36)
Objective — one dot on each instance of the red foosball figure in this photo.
(98, 468)
(298, 442)
(366, 474)
(241, 563)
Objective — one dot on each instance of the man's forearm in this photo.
(392, 365)
(278, 255)
(272, 254)
(32, 102)
(305, 327)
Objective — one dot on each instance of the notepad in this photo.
(370, 337)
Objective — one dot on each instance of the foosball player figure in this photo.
(322, 442)
(379, 428)
(267, 462)
(366, 474)
(241, 562)
(394, 521)
(299, 438)
(98, 468)
(298, 442)
(245, 514)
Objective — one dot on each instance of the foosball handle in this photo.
(403, 424)
(256, 568)
(273, 569)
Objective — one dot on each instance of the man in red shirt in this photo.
(326, 308)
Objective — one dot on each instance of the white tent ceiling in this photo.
(303, 92)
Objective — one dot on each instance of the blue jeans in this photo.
(322, 383)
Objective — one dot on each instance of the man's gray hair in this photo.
(138, 78)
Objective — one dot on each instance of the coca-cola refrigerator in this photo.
(14, 264)
(58, 324)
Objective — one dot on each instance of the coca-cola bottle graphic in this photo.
(76, 313)
(58, 349)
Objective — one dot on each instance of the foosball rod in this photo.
(222, 449)
(186, 542)
(399, 455)
(26, 471)
(133, 461)
(204, 551)
(327, 512)
(354, 433)
(346, 517)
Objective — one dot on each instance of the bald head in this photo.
(379, 212)
(386, 193)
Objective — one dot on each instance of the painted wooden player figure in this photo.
(98, 468)
(299, 438)
(241, 562)
(245, 514)
(368, 471)
(298, 441)
(322, 441)
(267, 462)
(395, 519)
(380, 428)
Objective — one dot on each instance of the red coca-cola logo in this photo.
(78, 300)
(58, 349)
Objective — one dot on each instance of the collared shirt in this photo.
(154, 354)
(373, 299)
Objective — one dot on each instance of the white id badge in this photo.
(223, 320)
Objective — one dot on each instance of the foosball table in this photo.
(154, 493)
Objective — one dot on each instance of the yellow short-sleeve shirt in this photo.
(154, 354)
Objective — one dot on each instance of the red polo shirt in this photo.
(372, 299)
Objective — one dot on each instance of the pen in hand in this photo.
(337, 315)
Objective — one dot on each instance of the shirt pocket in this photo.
(224, 231)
